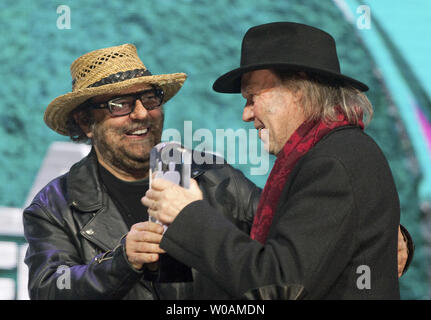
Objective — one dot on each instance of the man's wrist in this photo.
(126, 258)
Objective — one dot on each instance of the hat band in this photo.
(119, 76)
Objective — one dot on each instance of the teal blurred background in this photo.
(389, 52)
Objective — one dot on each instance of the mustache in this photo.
(140, 125)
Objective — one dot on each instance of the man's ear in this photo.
(82, 120)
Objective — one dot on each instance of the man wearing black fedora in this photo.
(327, 221)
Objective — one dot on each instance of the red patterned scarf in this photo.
(301, 141)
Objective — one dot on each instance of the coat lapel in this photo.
(99, 221)
(106, 228)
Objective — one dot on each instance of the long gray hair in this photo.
(323, 99)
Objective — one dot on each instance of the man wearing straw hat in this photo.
(85, 229)
(327, 222)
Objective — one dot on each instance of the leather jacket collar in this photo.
(83, 184)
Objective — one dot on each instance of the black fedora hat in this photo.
(286, 46)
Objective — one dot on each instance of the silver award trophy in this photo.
(170, 161)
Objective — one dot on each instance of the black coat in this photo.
(333, 236)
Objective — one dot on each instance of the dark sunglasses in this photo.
(121, 106)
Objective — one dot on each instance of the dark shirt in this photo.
(126, 196)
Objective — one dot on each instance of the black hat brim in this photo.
(230, 82)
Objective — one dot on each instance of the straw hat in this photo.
(115, 70)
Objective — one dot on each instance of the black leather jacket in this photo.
(76, 237)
